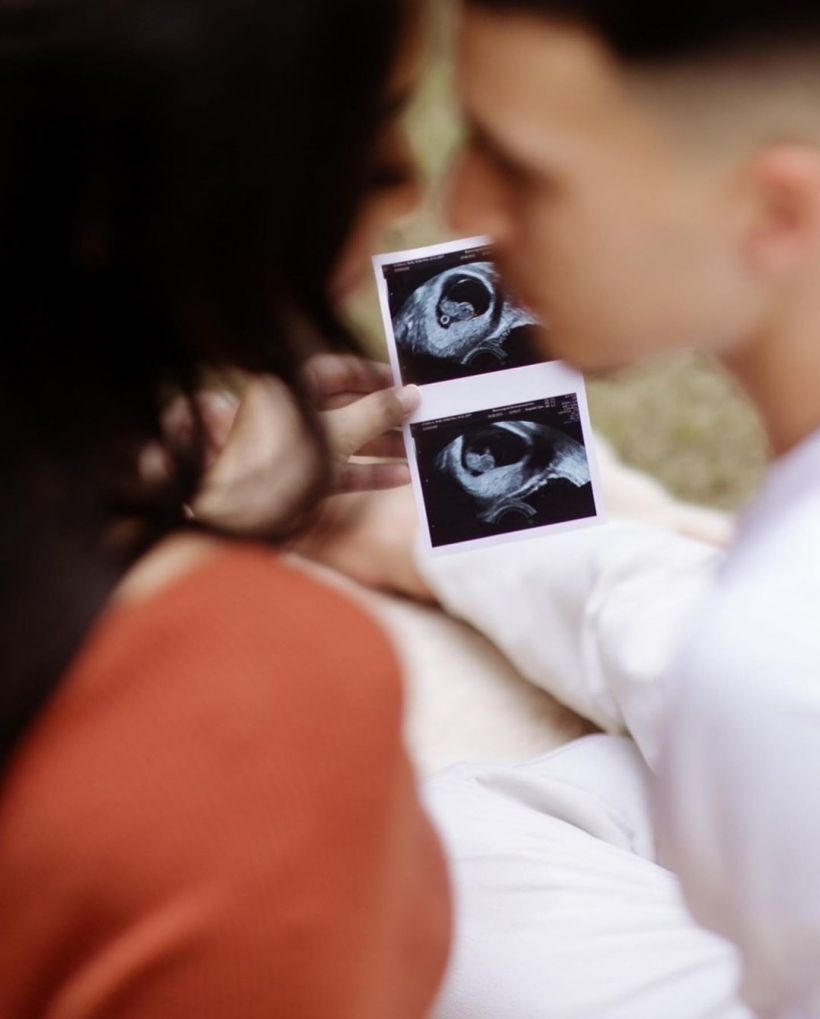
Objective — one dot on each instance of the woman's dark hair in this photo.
(177, 179)
(643, 31)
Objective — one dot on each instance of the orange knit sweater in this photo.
(214, 817)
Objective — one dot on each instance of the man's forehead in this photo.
(518, 72)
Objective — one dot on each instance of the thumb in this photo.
(361, 422)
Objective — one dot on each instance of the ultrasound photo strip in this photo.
(498, 447)
(504, 472)
(449, 316)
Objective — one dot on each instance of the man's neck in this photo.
(780, 370)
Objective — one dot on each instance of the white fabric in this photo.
(593, 616)
(561, 910)
(464, 700)
(597, 617)
(738, 795)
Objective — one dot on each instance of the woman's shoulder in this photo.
(216, 592)
(244, 584)
(238, 615)
(226, 682)
(239, 646)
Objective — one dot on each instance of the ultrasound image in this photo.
(452, 318)
(503, 470)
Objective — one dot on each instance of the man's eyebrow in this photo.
(481, 138)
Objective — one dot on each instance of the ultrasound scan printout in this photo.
(499, 448)
(452, 317)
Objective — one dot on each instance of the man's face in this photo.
(621, 239)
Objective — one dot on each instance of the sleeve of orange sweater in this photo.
(215, 818)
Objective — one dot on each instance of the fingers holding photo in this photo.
(369, 419)
(363, 415)
(372, 477)
(336, 380)
(368, 427)
(251, 472)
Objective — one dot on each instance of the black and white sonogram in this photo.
(451, 317)
(508, 469)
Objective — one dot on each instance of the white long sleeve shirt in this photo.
(714, 669)
(738, 789)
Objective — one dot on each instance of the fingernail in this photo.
(409, 397)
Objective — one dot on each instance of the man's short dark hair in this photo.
(645, 31)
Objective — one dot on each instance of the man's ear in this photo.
(783, 231)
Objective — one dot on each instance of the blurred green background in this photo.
(680, 418)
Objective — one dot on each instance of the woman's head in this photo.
(179, 184)
(181, 175)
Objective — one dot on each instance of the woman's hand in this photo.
(361, 413)
(371, 537)
(260, 460)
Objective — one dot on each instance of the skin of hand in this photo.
(361, 414)
(259, 459)
(371, 537)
